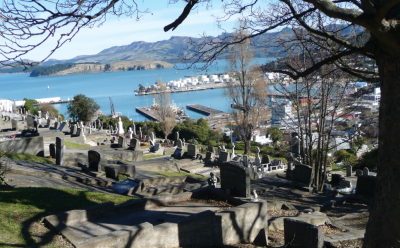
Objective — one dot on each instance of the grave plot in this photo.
(183, 220)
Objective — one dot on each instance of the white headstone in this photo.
(130, 133)
(120, 127)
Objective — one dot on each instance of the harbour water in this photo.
(119, 86)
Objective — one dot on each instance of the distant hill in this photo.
(80, 68)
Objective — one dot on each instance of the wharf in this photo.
(204, 110)
(146, 111)
(58, 102)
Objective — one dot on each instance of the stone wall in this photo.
(33, 146)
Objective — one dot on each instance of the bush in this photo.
(369, 159)
(269, 150)
(340, 155)
(212, 143)
(239, 146)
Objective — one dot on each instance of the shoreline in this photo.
(209, 86)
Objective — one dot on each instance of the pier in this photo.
(146, 111)
(204, 110)
(54, 102)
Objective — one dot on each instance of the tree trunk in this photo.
(383, 229)
(247, 146)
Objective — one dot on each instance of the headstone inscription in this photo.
(59, 151)
(236, 178)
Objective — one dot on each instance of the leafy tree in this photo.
(29, 106)
(369, 159)
(358, 143)
(107, 67)
(82, 108)
(164, 112)
(276, 134)
(47, 107)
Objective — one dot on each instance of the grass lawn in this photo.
(23, 208)
(74, 145)
(338, 168)
(179, 174)
(28, 157)
(152, 156)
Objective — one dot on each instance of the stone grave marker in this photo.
(55, 125)
(246, 162)
(48, 123)
(365, 171)
(176, 136)
(366, 186)
(52, 149)
(130, 132)
(258, 160)
(209, 155)
(78, 132)
(348, 170)
(179, 143)
(302, 234)
(122, 142)
(303, 174)
(61, 126)
(40, 114)
(29, 121)
(224, 157)
(211, 149)
(192, 150)
(359, 172)
(59, 151)
(236, 178)
(336, 179)
(152, 136)
(134, 145)
(178, 153)
(73, 128)
(14, 124)
(124, 186)
(111, 172)
(94, 160)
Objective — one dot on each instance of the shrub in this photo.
(269, 150)
(369, 159)
(213, 143)
(239, 146)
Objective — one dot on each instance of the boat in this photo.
(48, 87)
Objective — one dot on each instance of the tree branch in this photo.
(182, 17)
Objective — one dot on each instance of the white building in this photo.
(376, 96)
(281, 111)
(47, 100)
(6, 105)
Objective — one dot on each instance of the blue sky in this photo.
(123, 31)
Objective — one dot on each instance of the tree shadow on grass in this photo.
(27, 206)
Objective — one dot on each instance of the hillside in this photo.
(70, 68)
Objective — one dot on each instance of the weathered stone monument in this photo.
(211, 149)
(265, 159)
(258, 160)
(348, 170)
(303, 174)
(130, 133)
(59, 151)
(233, 150)
(235, 178)
(134, 145)
(122, 142)
(365, 171)
(120, 127)
(302, 234)
(224, 157)
(140, 133)
(192, 149)
(366, 186)
(176, 137)
(94, 160)
(179, 143)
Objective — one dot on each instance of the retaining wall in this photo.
(33, 146)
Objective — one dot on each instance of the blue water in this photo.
(119, 86)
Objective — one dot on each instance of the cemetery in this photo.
(184, 196)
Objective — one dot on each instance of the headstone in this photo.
(47, 115)
(245, 161)
(140, 133)
(359, 172)
(233, 150)
(265, 159)
(72, 129)
(178, 153)
(365, 171)
(236, 178)
(52, 149)
(366, 186)
(48, 123)
(61, 126)
(295, 145)
(14, 124)
(134, 145)
(111, 172)
(348, 170)
(303, 174)
(124, 186)
(224, 157)
(302, 234)
(152, 136)
(94, 160)
(120, 127)
(258, 160)
(192, 150)
(176, 136)
(211, 149)
(183, 141)
(122, 142)
(55, 125)
(209, 155)
(78, 132)
(29, 121)
(59, 119)
(40, 114)
(336, 179)
(134, 129)
(59, 151)
(179, 143)
(346, 184)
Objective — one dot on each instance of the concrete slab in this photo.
(170, 214)
(315, 218)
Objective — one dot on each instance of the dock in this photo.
(204, 110)
(57, 102)
(147, 112)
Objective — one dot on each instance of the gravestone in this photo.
(302, 234)
(211, 149)
(55, 125)
(258, 160)
(236, 178)
(111, 172)
(348, 170)
(233, 150)
(59, 120)
(94, 160)
(40, 114)
(359, 172)
(52, 149)
(124, 186)
(61, 127)
(72, 129)
(176, 136)
(224, 157)
(134, 129)
(303, 174)
(134, 145)
(48, 123)
(209, 155)
(179, 143)
(130, 132)
(192, 150)
(140, 133)
(178, 153)
(78, 132)
(14, 124)
(336, 179)
(365, 171)
(245, 161)
(366, 186)
(59, 151)
(29, 121)
(152, 136)
(122, 142)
